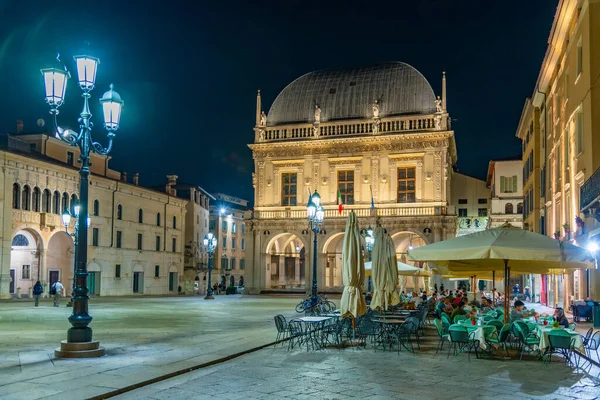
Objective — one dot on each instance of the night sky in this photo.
(189, 71)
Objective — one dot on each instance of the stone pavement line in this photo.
(183, 371)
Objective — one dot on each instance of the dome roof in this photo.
(348, 93)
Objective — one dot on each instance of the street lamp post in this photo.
(55, 80)
(315, 213)
(66, 218)
(210, 243)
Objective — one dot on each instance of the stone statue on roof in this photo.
(438, 104)
(376, 109)
(317, 114)
(263, 119)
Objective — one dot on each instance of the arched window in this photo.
(46, 201)
(74, 201)
(16, 200)
(35, 200)
(157, 219)
(241, 281)
(20, 240)
(96, 208)
(119, 212)
(508, 208)
(141, 216)
(26, 198)
(56, 202)
(520, 208)
(174, 222)
(65, 201)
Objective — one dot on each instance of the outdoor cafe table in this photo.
(543, 331)
(478, 332)
(387, 326)
(316, 324)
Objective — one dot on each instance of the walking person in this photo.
(38, 289)
(56, 291)
(516, 290)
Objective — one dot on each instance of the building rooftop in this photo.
(348, 93)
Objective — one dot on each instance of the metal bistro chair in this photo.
(498, 324)
(458, 318)
(561, 342)
(367, 331)
(500, 337)
(414, 329)
(442, 333)
(592, 346)
(283, 329)
(527, 342)
(298, 334)
(402, 334)
(461, 341)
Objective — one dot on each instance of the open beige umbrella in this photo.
(402, 270)
(503, 249)
(379, 267)
(353, 271)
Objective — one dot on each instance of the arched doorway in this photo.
(241, 282)
(25, 266)
(138, 279)
(332, 250)
(231, 281)
(285, 262)
(59, 260)
(403, 241)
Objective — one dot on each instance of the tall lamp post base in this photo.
(79, 350)
(209, 297)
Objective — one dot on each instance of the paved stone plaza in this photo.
(150, 337)
(144, 337)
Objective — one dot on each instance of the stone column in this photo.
(419, 180)
(282, 277)
(277, 187)
(43, 257)
(297, 270)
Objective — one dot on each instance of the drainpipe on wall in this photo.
(112, 219)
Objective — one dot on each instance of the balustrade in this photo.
(590, 190)
(361, 211)
(336, 129)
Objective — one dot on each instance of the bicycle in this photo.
(322, 305)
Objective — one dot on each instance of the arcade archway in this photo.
(332, 251)
(285, 262)
(25, 265)
(59, 260)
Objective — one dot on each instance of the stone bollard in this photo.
(30, 293)
(18, 293)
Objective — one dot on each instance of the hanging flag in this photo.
(372, 199)
(340, 202)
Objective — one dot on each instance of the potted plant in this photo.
(567, 229)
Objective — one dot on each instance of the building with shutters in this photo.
(136, 234)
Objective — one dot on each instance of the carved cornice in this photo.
(344, 160)
(408, 156)
(288, 163)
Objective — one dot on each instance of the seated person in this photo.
(459, 310)
(560, 317)
(415, 299)
(458, 299)
(518, 312)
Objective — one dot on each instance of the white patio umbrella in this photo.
(384, 281)
(392, 273)
(353, 271)
(402, 269)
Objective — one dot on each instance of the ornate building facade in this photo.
(564, 154)
(375, 138)
(135, 234)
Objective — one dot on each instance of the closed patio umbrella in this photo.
(504, 249)
(353, 271)
(379, 269)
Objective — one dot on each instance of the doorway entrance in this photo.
(53, 276)
(11, 288)
(94, 283)
(138, 282)
(172, 281)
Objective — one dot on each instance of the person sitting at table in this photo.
(459, 310)
(458, 299)
(518, 312)
(415, 299)
(560, 317)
